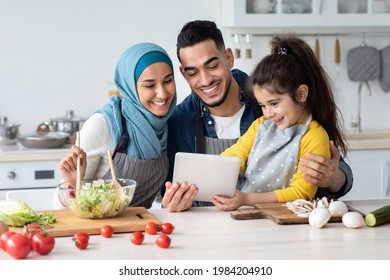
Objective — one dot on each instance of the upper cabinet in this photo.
(265, 15)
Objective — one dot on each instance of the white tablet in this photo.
(212, 174)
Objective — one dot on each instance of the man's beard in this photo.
(224, 96)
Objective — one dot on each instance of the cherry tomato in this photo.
(137, 237)
(30, 230)
(166, 228)
(18, 246)
(71, 193)
(81, 242)
(107, 231)
(151, 228)
(81, 233)
(4, 237)
(163, 241)
(42, 243)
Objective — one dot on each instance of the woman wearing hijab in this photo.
(133, 126)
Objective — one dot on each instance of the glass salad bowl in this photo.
(96, 198)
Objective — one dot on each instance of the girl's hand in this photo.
(229, 203)
(68, 165)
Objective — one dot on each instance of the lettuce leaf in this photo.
(17, 213)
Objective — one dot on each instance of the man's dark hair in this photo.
(197, 31)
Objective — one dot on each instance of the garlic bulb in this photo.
(352, 220)
(338, 207)
(319, 217)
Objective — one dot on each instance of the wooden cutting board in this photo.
(278, 213)
(67, 224)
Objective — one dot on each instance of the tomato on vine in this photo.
(30, 230)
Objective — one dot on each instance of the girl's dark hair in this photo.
(292, 63)
(197, 31)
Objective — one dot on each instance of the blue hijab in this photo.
(147, 133)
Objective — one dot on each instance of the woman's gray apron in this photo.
(150, 175)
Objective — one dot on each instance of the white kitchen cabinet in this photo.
(371, 171)
(308, 14)
(355, 13)
(242, 13)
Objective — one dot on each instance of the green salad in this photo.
(97, 200)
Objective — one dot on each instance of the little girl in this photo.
(299, 117)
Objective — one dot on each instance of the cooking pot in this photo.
(8, 132)
(68, 123)
(48, 140)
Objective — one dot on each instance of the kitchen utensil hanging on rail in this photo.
(317, 51)
(363, 64)
(384, 77)
(337, 59)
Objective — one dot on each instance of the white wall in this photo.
(58, 55)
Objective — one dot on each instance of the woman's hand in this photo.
(178, 198)
(68, 165)
(229, 203)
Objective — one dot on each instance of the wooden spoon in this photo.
(78, 171)
(114, 184)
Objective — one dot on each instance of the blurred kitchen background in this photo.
(60, 55)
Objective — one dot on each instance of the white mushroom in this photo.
(338, 207)
(353, 220)
(319, 217)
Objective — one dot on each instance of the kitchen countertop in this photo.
(368, 144)
(207, 233)
(370, 140)
(14, 153)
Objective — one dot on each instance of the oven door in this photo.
(33, 182)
